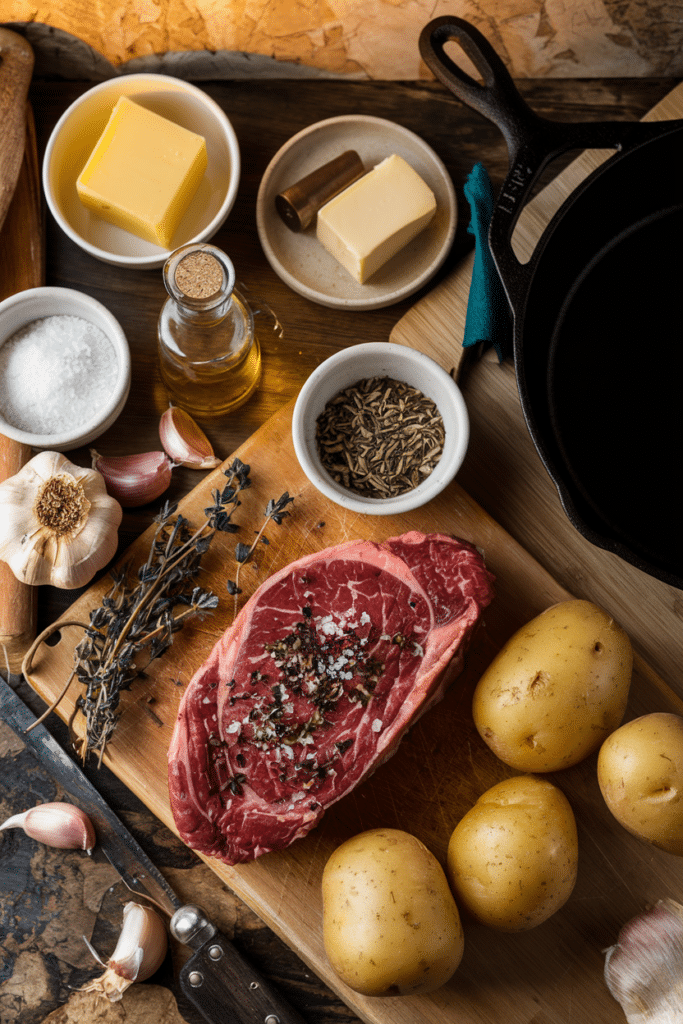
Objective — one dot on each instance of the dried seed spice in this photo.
(380, 437)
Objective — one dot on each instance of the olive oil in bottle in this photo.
(209, 353)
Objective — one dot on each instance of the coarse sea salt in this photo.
(56, 374)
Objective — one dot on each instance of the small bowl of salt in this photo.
(64, 368)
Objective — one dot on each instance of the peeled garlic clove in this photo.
(56, 824)
(185, 441)
(134, 479)
(644, 969)
(139, 952)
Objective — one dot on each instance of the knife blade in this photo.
(217, 979)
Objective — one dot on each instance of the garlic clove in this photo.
(644, 969)
(56, 824)
(134, 479)
(58, 525)
(184, 441)
(140, 951)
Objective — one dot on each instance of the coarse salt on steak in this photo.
(314, 685)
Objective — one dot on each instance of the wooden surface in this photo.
(502, 473)
(16, 68)
(22, 265)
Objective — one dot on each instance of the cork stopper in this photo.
(199, 275)
(299, 203)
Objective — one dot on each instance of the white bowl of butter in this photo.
(76, 135)
(378, 438)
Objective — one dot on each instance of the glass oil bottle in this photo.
(209, 353)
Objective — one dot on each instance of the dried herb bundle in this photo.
(143, 617)
(380, 437)
(140, 614)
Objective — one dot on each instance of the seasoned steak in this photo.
(313, 686)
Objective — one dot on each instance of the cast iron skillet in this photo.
(598, 331)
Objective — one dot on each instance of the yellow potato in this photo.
(512, 859)
(390, 923)
(556, 690)
(640, 772)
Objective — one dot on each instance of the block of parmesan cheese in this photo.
(371, 220)
(143, 172)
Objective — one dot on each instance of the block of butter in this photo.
(367, 223)
(143, 172)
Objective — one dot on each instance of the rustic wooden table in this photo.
(42, 898)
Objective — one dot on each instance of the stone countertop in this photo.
(375, 38)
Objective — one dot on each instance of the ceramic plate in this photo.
(302, 262)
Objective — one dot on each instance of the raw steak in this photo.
(315, 683)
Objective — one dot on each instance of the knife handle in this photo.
(217, 979)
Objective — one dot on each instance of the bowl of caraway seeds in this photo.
(64, 368)
(380, 428)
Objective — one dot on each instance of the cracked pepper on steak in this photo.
(327, 665)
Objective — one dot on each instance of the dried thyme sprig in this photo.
(275, 511)
(143, 617)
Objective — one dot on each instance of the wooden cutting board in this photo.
(438, 772)
(550, 974)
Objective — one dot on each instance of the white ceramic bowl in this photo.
(80, 126)
(380, 359)
(35, 303)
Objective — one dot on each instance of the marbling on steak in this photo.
(313, 686)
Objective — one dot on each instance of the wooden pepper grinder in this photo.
(21, 266)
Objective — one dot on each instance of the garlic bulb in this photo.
(644, 970)
(134, 479)
(56, 824)
(139, 952)
(184, 440)
(58, 525)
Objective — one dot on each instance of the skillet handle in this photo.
(532, 141)
(498, 98)
(529, 136)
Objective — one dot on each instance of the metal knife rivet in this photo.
(253, 985)
(271, 1019)
(195, 979)
(215, 952)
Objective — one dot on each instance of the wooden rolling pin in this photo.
(16, 70)
(22, 265)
